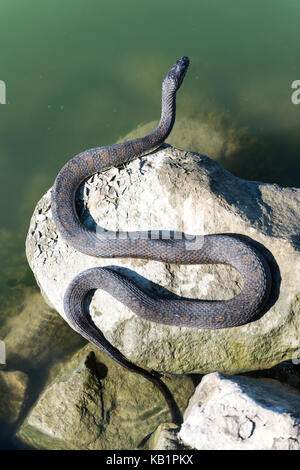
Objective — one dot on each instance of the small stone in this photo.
(13, 386)
(178, 190)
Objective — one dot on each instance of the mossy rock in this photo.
(96, 404)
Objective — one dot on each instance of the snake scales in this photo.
(222, 249)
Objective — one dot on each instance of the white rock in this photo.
(234, 412)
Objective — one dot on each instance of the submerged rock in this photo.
(37, 342)
(242, 413)
(215, 135)
(13, 387)
(96, 404)
(36, 337)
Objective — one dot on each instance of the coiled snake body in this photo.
(222, 249)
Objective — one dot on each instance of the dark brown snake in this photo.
(216, 249)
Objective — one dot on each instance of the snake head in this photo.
(176, 74)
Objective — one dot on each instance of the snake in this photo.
(215, 249)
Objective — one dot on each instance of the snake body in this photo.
(218, 248)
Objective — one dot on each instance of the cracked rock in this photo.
(239, 413)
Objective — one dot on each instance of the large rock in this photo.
(242, 413)
(178, 190)
(96, 404)
(215, 135)
(37, 342)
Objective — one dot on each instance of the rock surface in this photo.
(177, 190)
(287, 372)
(36, 337)
(242, 413)
(13, 386)
(96, 404)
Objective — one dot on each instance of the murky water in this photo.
(80, 74)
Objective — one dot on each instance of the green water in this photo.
(83, 73)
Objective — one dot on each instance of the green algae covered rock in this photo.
(96, 404)
(165, 438)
